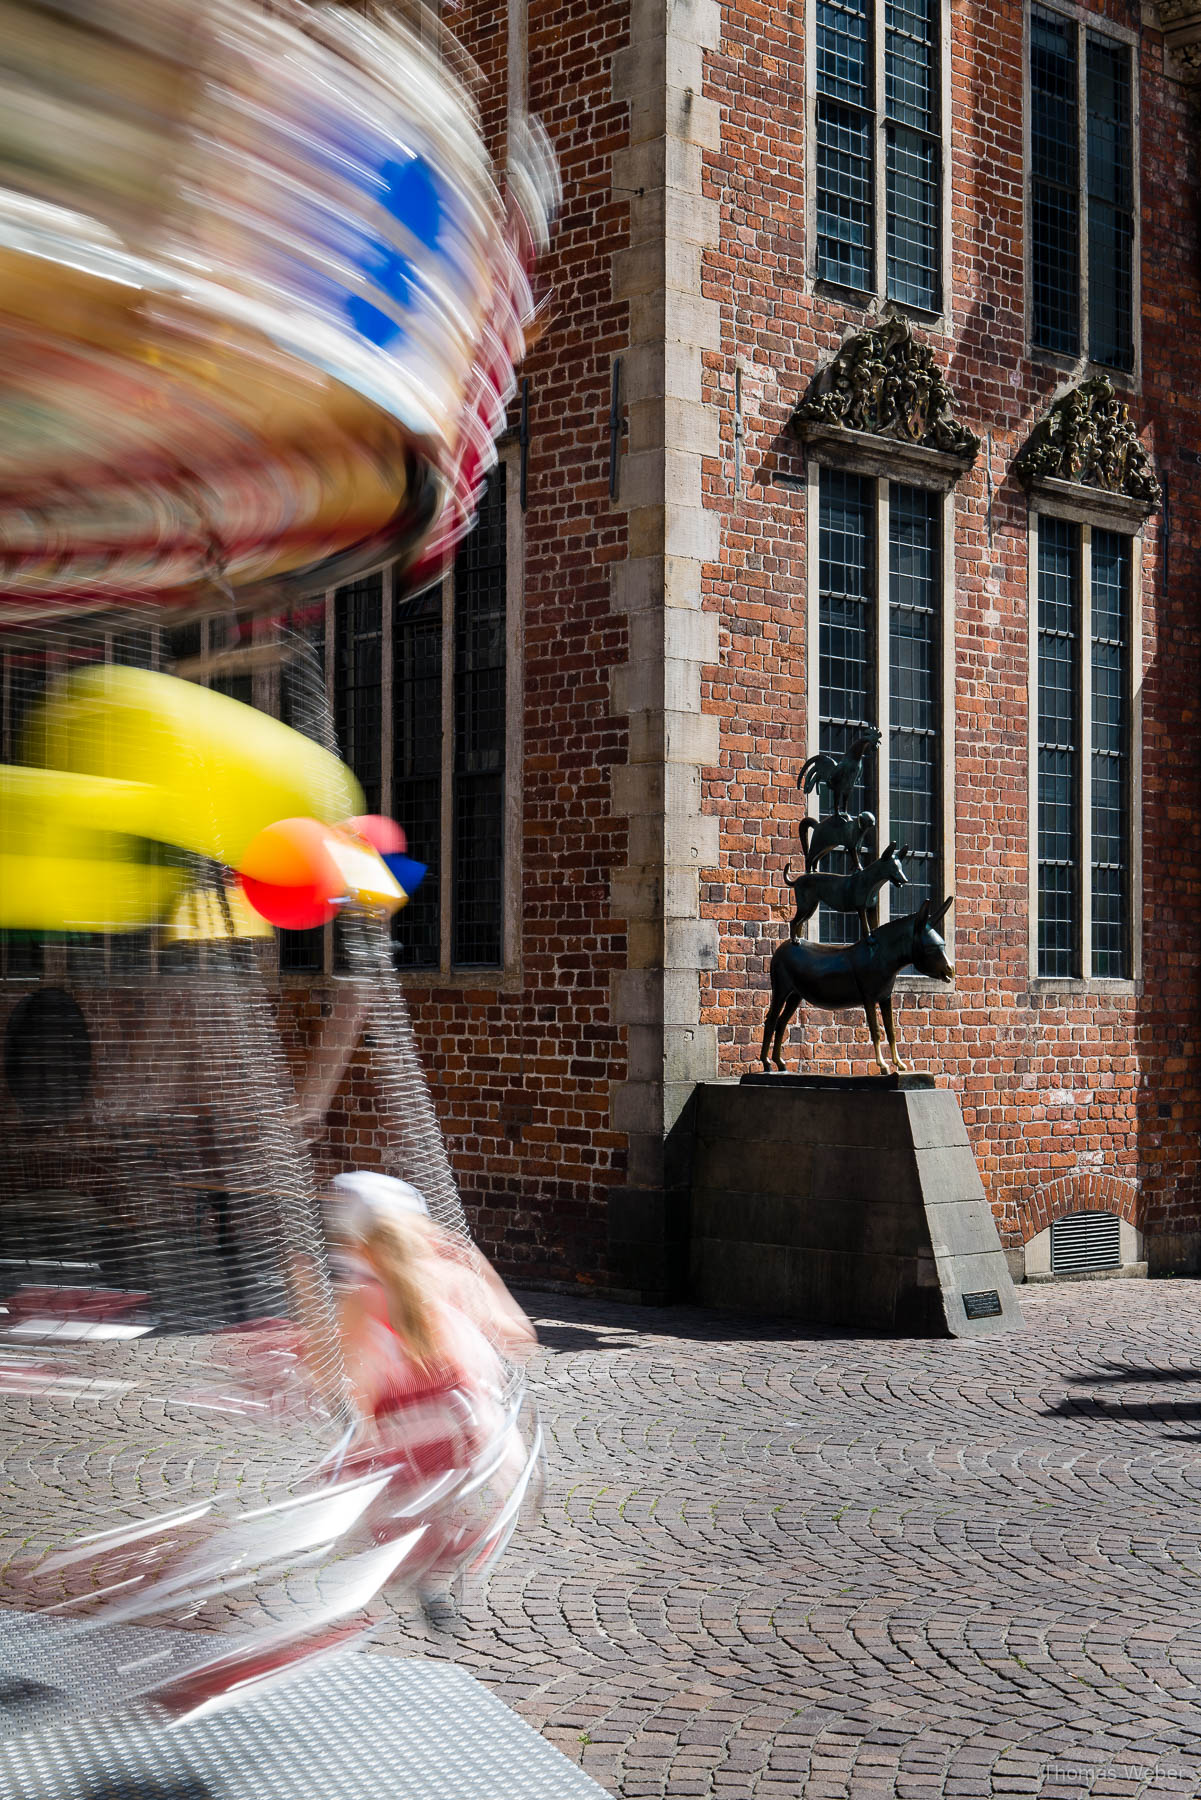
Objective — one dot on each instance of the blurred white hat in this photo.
(369, 1197)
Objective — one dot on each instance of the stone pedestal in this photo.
(850, 1202)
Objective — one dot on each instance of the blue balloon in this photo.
(409, 875)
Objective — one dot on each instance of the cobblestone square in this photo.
(776, 1564)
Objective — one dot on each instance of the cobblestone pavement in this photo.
(777, 1564)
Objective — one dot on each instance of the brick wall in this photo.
(521, 1072)
(1051, 1086)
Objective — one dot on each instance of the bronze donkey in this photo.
(840, 975)
(855, 892)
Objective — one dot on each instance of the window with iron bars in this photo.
(421, 690)
(1083, 219)
(1083, 751)
(878, 148)
(879, 662)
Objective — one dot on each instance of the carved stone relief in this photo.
(1180, 22)
(885, 383)
(1088, 438)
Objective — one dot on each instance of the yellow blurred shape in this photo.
(221, 771)
(201, 918)
(97, 889)
(39, 807)
(73, 855)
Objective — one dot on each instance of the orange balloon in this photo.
(289, 876)
(293, 853)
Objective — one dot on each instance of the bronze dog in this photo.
(855, 892)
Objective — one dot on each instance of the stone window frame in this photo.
(1126, 518)
(504, 976)
(914, 466)
(877, 296)
(1080, 367)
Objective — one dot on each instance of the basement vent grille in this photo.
(1085, 1240)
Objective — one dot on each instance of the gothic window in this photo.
(1084, 635)
(879, 661)
(423, 693)
(1082, 191)
(878, 148)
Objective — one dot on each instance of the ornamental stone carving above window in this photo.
(882, 399)
(1087, 446)
(1180, 22)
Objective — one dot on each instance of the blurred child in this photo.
(413, 1312)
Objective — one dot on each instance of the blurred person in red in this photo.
(424, 1324)
(435, 1292)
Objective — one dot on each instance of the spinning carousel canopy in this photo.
(260, 299)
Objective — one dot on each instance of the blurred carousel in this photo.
(261, 300)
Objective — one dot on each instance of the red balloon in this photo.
(289, 877)
(291, 908)
(384, 835)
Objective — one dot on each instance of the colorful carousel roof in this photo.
(260, 298)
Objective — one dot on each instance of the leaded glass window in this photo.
(1110, 206)
(846, 645)
(1084, 843)
(845, 130)
(913, 151)
(1058, 747)
(854, 569)
(1081, 192)
(1110, 846)
(479, 757)
(860, 133)
(420, 690)
(915, 735)
(1054, 184)
(358, 671)
(417, 768)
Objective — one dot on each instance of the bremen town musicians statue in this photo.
(882, 398)
(862, 973)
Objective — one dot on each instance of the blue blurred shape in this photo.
(408, 873)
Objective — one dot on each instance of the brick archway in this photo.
(1079, 1193)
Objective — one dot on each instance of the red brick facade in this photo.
(1014, 1050)
(1072, 1099)
(1128, 1064)
(521, 1063)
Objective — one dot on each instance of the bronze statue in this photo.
(838, 832)
(838, 775)
(836, 976)
(855, 892)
